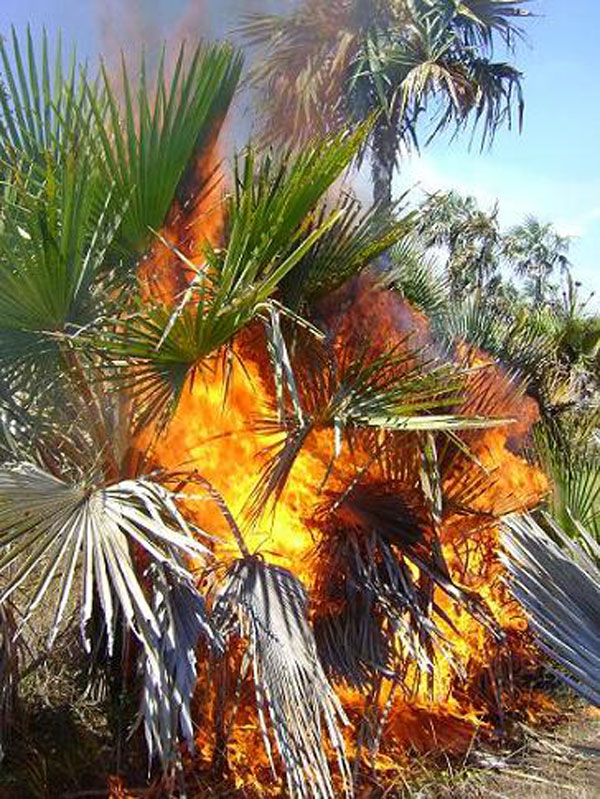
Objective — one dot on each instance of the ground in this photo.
(563, 764)
(560, 764)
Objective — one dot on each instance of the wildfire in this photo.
(215, 433)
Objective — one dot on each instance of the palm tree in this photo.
(94, 364)
(470, 236)
(327, 64)
(537, 252)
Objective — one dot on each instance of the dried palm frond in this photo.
(54, 529)
(166, 698)
(267, 606)
(370, 597)
(558, 584)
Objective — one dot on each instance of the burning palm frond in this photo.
(267, 237)
(378, 615)
(267, 607)
(352, 244)
(350, 393)
(558, 583)
(182, 620)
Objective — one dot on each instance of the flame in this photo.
(213, 433)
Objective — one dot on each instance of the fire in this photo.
(214, 433)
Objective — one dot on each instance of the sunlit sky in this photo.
(552, 169)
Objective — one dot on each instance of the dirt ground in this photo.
(561, 764)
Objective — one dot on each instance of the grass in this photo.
(69, 739)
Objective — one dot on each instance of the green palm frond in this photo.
(148, 145)
(45, 106)
(478, 20)
(267, 606)
(571, 458)
(269, 232)
(56, 248)
(325, 65)
(415, 274)
(558, 584)
(348, 247)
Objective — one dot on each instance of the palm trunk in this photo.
(382, 172)
(383, 163)
(383, 167)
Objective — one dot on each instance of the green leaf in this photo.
(149, 144)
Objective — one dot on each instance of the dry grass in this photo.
(65, 745)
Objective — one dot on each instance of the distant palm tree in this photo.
(537, 252)
(332, 62)
(469, 235)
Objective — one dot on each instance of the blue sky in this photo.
(551, 170)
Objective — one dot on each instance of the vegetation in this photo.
(328, 65)
(104, 553)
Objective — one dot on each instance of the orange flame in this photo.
(214, 435)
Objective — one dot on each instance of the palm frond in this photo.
(302, 67)
(479, 20)
(558, 584)
(55, 271)
(168, 690)
(267, 606)
(69, 526)
(377, 613)
(101, 532)
(416, 276)
(268, 236)
(393, 391)
(348, 247)
(45, 106)
(148, 145)
(572, 461)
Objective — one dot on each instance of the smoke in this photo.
(128, 27)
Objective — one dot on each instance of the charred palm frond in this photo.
(267, 607)
(371, 540)
(558, 584)
(354, 392)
